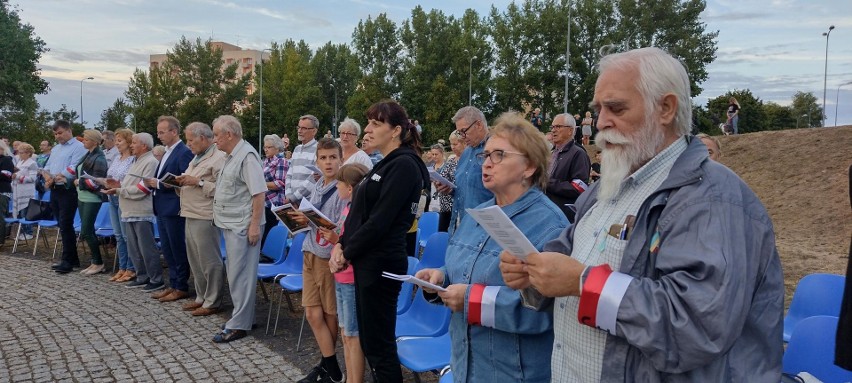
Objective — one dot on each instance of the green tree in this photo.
(779, 117)
(806, 108)
(368, 91)
(335, 68)
(377, 46)
(20, 51)
(752, 116)
(115, 117)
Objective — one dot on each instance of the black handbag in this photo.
(38, 210)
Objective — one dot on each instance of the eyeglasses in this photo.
(463, 132)
(496, 156)
(300, 128)
(348, 134)
(560, 126)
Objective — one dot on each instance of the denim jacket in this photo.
(469, 191)
(518, 347)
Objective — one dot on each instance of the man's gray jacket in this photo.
(708, 305)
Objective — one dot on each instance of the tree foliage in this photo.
(115, 117)
(752, 116)
(806, 108)
(20, 51)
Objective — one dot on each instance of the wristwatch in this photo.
(201, 183)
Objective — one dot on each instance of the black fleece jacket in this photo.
(383, 208)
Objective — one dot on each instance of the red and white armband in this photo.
(601, 294)
(143, 188)
(481, 304)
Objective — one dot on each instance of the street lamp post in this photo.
(334, 125)
(470, 79)
(81, 99)
(837, 100)
(260, 118)
(567, 60)
(825, 77)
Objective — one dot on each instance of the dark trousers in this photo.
(173, 244)
(444, 218)
(63, 202)
(88, 215)
(375, 306)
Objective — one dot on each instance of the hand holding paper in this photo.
(437, 177)
(501, 229)
(412, 279)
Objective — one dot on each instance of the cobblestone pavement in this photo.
(70, 328)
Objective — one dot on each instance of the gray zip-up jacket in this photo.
(708, 305)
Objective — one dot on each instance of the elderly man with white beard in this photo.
(671, 271)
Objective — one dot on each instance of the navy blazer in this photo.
(166, 201)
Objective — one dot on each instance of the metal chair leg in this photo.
(17, 236)
(278, 313)
(35, 245)
(269, 315)
(263, 290)
(302, 327)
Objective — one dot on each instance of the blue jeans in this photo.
(346, 316)
(124, 262)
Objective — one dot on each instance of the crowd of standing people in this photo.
(662, 269)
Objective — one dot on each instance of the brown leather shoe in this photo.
(205, 311)
(117, 276)
(127, 277)
(174, 295)
(191, 306)
(162, 293)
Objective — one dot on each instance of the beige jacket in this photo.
(135, 200)
(197, 202)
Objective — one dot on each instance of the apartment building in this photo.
(245, 59)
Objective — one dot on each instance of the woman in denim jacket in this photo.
(494, 337)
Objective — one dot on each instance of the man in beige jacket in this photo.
(198, 185)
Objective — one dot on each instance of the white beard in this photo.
(629, 154)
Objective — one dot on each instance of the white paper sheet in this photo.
(501, 229)
(412, 279)
(437, 177)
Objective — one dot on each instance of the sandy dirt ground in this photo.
(801, 178)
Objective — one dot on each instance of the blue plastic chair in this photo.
(291, 265)
(275, 248)
(816, 294)
(406, 294)
(447, 377)
(426, 226)
(811, 349)
(423, 319)
(424, 354)
(289, 284)
(434, 252)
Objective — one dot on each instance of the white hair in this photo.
(145, 139)
(569, 119)
(275, 141)
(200, 129)
(659, 74)
(229, 123)
(470, 114)
(351, 123)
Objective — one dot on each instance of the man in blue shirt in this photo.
(469, 192)
(59, 179)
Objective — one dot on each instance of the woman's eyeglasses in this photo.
(496, 156)
(348, 134)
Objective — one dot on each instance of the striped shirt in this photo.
(300, 181)
(578, 349)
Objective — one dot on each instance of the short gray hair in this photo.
(569, 119)
(145, 139)
(274, 140)
(108, 135)
(229, 123)
(200, 129)
(470, 114)
(348, 122)
(159, 150)
(312, 118)
(659, 74)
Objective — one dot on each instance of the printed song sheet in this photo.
(498, 225)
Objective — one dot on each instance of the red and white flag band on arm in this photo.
(6, 173)
(21, 179)
(71, 170)
(141, 186)
(601, 295)
(91, 184)
(579, 185)
(481, 305)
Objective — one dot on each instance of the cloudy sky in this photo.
(773, 47)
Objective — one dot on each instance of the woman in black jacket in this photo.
(7, 168)
(94, 163)
(383, 208)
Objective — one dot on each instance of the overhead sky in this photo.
(772, 47)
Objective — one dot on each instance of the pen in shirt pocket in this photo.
(627, 228)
